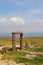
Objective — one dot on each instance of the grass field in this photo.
(19, 56)
(33, 41)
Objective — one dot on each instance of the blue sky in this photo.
(21, 15)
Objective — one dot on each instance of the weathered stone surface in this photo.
(13, 40)
(4, 51)
(29, 56)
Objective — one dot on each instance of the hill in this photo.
(29, 34)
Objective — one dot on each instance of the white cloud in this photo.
(38, 21)
(34, 11)
(16, 20)
(12, 20)
(35, 22)
(2, 20)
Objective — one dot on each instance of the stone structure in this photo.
(13, 40)
(26, 45)
(3, 50)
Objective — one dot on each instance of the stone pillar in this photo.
(13, 41)
(3, 50)
(26, 45)
(21, 41)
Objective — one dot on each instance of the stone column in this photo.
(4, 50)
(21, 41)
(13, 41)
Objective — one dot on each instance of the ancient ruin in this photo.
(13, 40)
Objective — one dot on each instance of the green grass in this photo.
(13, 55)
(38, 49)
(19, 58)
(34, 50)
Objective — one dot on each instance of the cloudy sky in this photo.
(21, 15)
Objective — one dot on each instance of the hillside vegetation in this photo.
(24, 56)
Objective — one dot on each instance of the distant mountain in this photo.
(33, 34)
(5, 35)
(29, 34)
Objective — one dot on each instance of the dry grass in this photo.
(33, 41)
